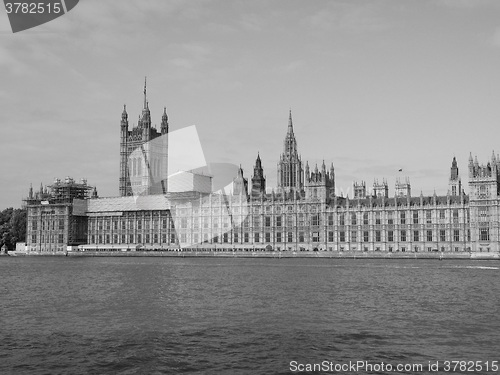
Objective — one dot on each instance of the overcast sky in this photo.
(374, 86)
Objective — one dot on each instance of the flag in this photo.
(401, 170)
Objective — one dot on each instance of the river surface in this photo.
(74, 315)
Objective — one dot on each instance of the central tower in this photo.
(290, 172)
(143, 154)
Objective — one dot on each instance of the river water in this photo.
(70, 315)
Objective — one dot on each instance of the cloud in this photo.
(464, 3)
(195, 50)
(219, 28)
(188, 57)
(251, 22)
(495, 40)
(291, 67)
(182, 63)
(353, 17)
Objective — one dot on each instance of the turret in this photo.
(124, 122)
(403, 189)
(381, 190)
(164, 121)
(454, 169)
(258, 179)
(319, 184)
(359, 190)
(471, 166)
(455, 182)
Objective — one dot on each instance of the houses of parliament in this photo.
(158, 212)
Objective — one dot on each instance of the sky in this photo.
(374, 87)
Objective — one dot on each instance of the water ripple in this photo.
(241, 316)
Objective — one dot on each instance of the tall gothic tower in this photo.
(258, 179)
(290, 172)
(143, 154)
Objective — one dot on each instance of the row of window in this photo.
(365, 236)
(49, 224)
(392, 218)
(391, 236)
(279, 221)
(403, 249)
(131, 238)
(129, 224)
(48, 238)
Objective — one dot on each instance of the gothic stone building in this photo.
(56, 215)
(303, 214)
(143, 154)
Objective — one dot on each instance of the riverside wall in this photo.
(271, 254)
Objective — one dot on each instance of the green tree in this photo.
(12, 227)
(18, 226)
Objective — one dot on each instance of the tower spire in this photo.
(145, 99)
(290, 172)
(124, 116)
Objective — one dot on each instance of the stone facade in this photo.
(57, 217)
(304, 214)
(484, 190)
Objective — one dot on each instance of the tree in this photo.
(18, 226)
(12, 227)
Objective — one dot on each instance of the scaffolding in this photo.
(61, 191)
